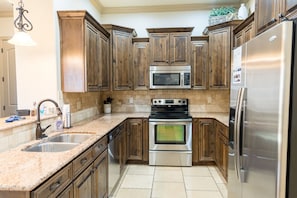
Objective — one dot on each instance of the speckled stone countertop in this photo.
(24, 171)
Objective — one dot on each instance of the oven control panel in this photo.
(181, 101)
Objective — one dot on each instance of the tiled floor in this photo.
(143, 181)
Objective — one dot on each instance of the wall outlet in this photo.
(131, 100)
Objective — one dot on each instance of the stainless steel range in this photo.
(170, 133)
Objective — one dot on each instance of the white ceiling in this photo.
(128, 3)
(5, 6)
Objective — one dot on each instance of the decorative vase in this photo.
(107, 108)
(242, 12)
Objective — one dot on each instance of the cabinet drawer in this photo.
(221, 128)
(99, 147)
(55, 185)
(82, 161)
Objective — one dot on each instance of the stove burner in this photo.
(169, 109)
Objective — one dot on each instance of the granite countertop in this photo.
(24, 171)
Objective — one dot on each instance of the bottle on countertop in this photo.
(33, 110)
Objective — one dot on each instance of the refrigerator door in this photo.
(268, 65)
(235, 127)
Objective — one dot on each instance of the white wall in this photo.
(38, 67)
(6, 23)
(141, 21)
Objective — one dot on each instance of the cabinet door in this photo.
(134, 140)
(206, 141)
(104, 65)
(289, 8)
(266, 14)
(122, 60)
(199, 64)
(100, 176)
(145, 142)
(159, 48)
(141, 64)
(83, 184)
(219, 57)
(180, 45)
(67, 193)
(222, 153)
(92, 57)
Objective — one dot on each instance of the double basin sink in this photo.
(59, 143)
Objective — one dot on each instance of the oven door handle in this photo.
(171, 120)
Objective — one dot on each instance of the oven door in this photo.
(170, 134)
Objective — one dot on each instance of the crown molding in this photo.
(160, 8)
(97, 4)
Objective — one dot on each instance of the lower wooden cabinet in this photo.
(222, 148)
(67, 193)
(100, 176)
(137, 140)
(203, 141)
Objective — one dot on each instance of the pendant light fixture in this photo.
(21, 37)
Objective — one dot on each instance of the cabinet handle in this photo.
(273, 20)
(83, 160)
(54, 186)
(280, 15)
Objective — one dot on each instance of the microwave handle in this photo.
(182, 79)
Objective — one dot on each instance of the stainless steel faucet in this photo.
(40, 131)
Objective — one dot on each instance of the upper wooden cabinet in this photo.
(170, 46)
(84, 57)
(271, 12)
(220, 45)
(244, 31)
(121, 56)
(199, 62)
(141, 62)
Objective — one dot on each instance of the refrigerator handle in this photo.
(240, 111)
(235, 132)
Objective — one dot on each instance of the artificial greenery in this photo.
(222, 11)
(108, 100)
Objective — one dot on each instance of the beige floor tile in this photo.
(140, 170)
(200, 183)
(137, 181)
(137, 193)
(218, 177)
(168, 168)
(168, 175)
(201, 171)
(223, 190)
(204, 194)
(168, 189)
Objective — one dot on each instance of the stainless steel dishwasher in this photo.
(113, 160)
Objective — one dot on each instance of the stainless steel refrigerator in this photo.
(263, 116)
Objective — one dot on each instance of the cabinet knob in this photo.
(83, 161)
(54, 186)
(273, 20)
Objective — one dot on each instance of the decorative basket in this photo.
(213, 20)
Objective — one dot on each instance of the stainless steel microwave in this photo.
(170, 77)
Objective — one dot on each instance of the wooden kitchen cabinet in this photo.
(220, 45)
(270, 12)
(82, 42)
(100, 176)
(244, 31)
(203, 141)
(170, 46)
(55, 185)
(141, 62)
(134, 139)
(121, 56)
(199, 62)
(93, 181)
(137, 140)
(67, 193)
(222, 148)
